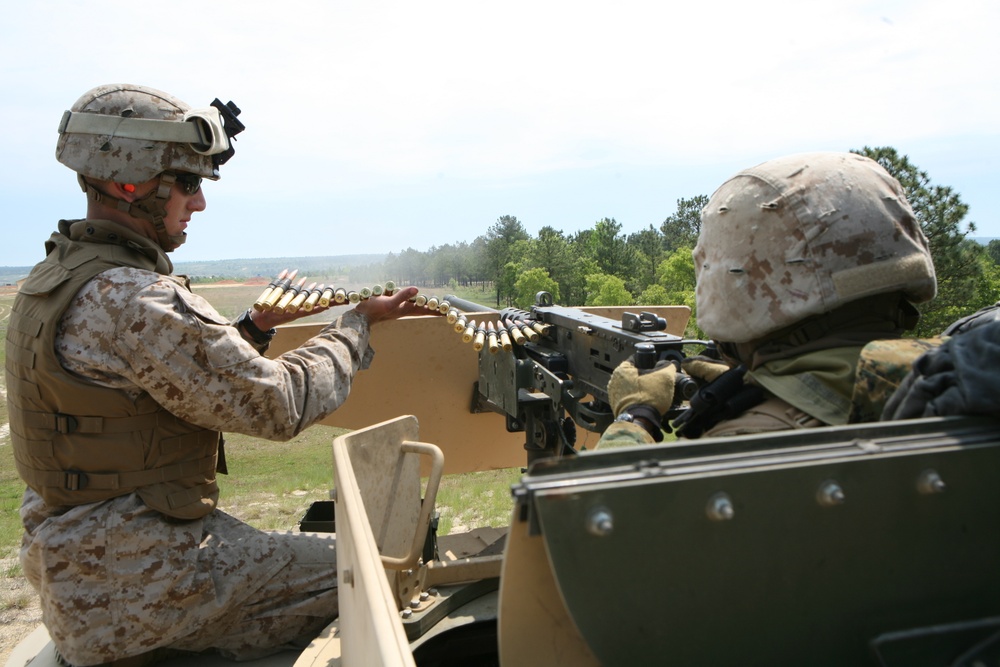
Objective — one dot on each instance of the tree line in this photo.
(603, 266)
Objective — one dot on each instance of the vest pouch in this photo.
(188, 462)
(44, 279)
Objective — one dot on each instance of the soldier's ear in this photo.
(125, 191)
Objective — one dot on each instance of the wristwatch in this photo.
(252, 330)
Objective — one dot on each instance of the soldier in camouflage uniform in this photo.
(120, 382)
(801, 263)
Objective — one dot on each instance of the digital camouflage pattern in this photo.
(109, 158)
(624, 434)
(139, 331)
(115, 578)
(881, 368)
(803, 235)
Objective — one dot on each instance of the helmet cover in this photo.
(802, 235)
(107, 157)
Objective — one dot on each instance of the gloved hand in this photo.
(653, 387)
(705, 369)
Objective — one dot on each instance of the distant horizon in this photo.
(9, 275)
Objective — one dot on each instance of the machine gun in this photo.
(564, 369)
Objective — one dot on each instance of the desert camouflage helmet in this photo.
(130, 134)
(802, 235)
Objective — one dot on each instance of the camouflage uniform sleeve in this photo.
(624, 434)
(143, 333)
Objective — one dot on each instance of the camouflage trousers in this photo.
(116, 579)
(287, 612)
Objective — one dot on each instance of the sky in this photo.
(374, 126)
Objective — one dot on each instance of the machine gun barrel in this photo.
(467, 306)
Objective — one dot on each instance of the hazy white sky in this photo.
(375, 126)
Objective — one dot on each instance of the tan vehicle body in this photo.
(870, 544)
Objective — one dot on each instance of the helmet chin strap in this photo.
(151, 208)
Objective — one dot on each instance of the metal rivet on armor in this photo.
(424, 596)
(930, 482)
(830, 494)
(414, 604)
(406, 613)
(720, 507)
(600, 522)
(90, 230)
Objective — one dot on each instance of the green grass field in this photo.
(271, 484)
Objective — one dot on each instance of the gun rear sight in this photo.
(643, 322)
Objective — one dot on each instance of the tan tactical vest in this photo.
(76, 442)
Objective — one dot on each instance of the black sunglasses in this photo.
(190, 182)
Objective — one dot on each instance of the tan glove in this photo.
(704, 368)
(630, 386)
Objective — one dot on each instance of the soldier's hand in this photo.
(379, 308)
(630, 386)
(705, 369)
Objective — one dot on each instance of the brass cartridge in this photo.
(324, 299)
(491, 338)
(365, 293)
(528, 332)
(539, 327)
(480, 340)
(432, 303)
(470, 332)
(278, 291)
(340, 296)
(300, 299)
(390, 288)
(460, 324)
(420, 300)
(259, 303)
(452, 316)
(504, 338)
(444, 307)
(353, 297)
(287, 297)
(313, 299)
(515, 333)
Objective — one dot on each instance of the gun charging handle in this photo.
(646, 358)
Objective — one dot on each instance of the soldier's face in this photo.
(180, 207)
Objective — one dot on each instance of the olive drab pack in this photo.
(802, 235)
(76, 442)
